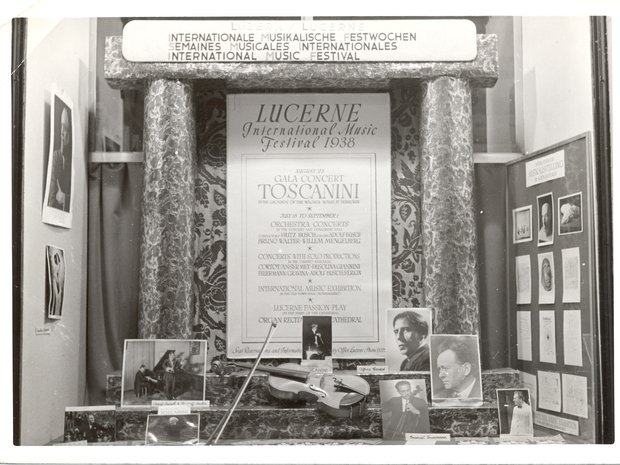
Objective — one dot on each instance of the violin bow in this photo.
(219, 429)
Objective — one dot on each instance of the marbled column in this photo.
(167, 249)
(448, 222)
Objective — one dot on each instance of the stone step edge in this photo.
(153, 410)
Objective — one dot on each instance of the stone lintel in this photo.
(481, 72)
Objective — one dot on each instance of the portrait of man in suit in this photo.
(456, 365)
(545, 219)
(317, 337)
(515, 412)
(60, 180)
(407, 339)
(406, 412)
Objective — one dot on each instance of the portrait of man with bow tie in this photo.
(515, 412)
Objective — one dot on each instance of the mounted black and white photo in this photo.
(58, 200)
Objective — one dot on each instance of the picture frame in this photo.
(546, 278)
(92, 424)
(59, 180)
(408, 332)
(316, 342)
(173, 429)
(545, 219)
(55, 266)
(522, 224)
(570, 214)
(515, 412)
(399, 421)
(165, 370)
(456, 379)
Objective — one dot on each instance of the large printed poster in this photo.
(308, 221)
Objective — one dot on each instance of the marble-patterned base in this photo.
(260, 423)
(221, 390)
(261, 417)
(466, 422)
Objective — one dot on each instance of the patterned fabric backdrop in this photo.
(210, 214)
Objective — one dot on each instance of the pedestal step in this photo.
(221, 390)
(260, 416)
(255, 423)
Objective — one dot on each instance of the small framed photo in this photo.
(545, 219)
(570, 214)
(58, 197)
(163, 370)
(455, 374)
(407, 337)
(522, 224)
(55, 266)
(167, 430)
(515, 412)
(404, 408)
(316, 340)
(546, 278)
(90, 424)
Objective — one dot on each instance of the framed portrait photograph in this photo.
(163, 370)
(522, 224)
(316, 342)
(515, 412)
(545, 219)
(58, 197)
(546, 278)
(570, 214)
(408, 332)
(455, 370)
(404, 408)
(55, 267)
(172, 429)
(90, 424)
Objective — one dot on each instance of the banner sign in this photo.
(189, 41)
(544, 169)
(308, 191)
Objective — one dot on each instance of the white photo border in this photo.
(52, 215)
(123, 372)
(515, 212)
(576, 194)
(552, 206)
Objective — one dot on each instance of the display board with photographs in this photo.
(561, 311)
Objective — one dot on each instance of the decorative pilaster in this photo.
(167, 249)
(448, 222)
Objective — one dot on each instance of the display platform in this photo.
(261, 417)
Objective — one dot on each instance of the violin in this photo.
(340, 396)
